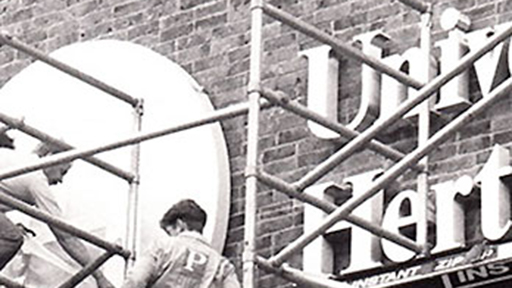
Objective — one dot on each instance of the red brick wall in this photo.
(210, 39)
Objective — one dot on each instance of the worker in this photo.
(185, 259)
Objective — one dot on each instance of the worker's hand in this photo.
(102, 281)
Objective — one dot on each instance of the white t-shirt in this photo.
(31, 188)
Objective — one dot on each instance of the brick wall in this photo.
(210, 39)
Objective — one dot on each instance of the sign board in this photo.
(462, 210)
(489, 273)
(189, 164)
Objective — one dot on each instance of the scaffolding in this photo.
(416, 160)
(260, 98)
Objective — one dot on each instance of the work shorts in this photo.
(11, 239)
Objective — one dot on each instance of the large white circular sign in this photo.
(189, 164)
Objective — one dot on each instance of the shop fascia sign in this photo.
(369, 251)
(366, 250)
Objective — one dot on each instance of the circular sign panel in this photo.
(188, 164)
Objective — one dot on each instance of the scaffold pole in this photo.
(340, 47)
(36, 133)
(133, 193)
(418, 5)
(57, 223)
(87, 270)
(279, 98)
(423, 186)
(329, 207)
(251, 182)
(299, 277)
(66, 156)
(18, 45)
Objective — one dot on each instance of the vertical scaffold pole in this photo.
(133, 196)
(252, 145)
(424, 130)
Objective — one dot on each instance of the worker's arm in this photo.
(230, 279)
(45, 200)
(145, 269)
(77, 250)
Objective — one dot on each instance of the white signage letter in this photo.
(364, 246)
(415, 58)
(400, 214)
(370, 81)
(393, 93)
(495, 195)
(454, 94)
(318, 255)
(492, 68)
(450, 213)
(322, 88)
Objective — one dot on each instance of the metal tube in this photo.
(279, 98)
(340, 47)
(57, 223)
(71, 155)
(299, 277)
(132, 218)
(34, 132)
(86, 271)
(251, 182)
(382, 124)
(418, 5)
(9, 40)
(394, 172)
(10, 283)
(329, 207)
(424, 133)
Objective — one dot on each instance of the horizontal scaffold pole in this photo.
(395, 171)
(329, 207)
(383, 123)
(418, 5)
(299, 277)
(10, 41)
(10, 283)
(36, 133)
(86, 271)
(339, 47)
(57, 223)
(70, 155)
(279, 98)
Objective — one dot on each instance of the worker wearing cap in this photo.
(185, 259)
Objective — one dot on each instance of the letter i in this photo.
(461, 276)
